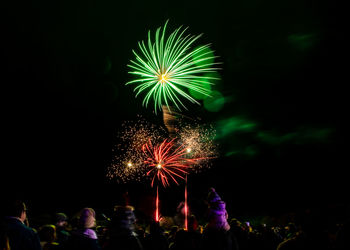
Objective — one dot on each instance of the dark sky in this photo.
(281, 128)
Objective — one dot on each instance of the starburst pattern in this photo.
(168, 67)
(167, 161)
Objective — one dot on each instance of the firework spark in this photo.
(167, 161)
(199, 143)
(128, 159)
(167, 68)
(144, 151)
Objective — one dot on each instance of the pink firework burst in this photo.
(167, 161)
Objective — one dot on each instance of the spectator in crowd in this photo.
(172, 234)
(61, 224)
(240, 233)
(47, 234)
(188, 240)
(179, 217)
(84, 237)
(156, 239)
(217, 234)
(291, 230)
(121, 231)
(180, 241)
(311, 236)
(194, 235)
(16, 228)
(263, 237)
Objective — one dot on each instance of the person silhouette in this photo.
(217, 234)
(122, 231)
(16, 227)
(84, 237)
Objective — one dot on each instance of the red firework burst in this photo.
(167, 161)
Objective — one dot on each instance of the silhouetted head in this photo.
(61, 219)
(155, 228)
(16, 208)
(87, 218)
(47, 233)
(123, 217)
(192, 223)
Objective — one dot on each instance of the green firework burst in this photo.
(168, 68)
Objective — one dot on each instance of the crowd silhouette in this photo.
(122, 230)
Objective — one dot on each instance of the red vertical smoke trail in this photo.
(186, 208)
(157, 206)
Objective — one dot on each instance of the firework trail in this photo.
(168, 68)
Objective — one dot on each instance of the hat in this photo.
(213, 196)
(215, 203)
(217, 211)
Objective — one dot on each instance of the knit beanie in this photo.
(215, 204)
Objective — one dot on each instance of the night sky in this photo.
(280, 132)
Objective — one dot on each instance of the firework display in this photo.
(167, 68)
(167, 71)
(146, 151)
